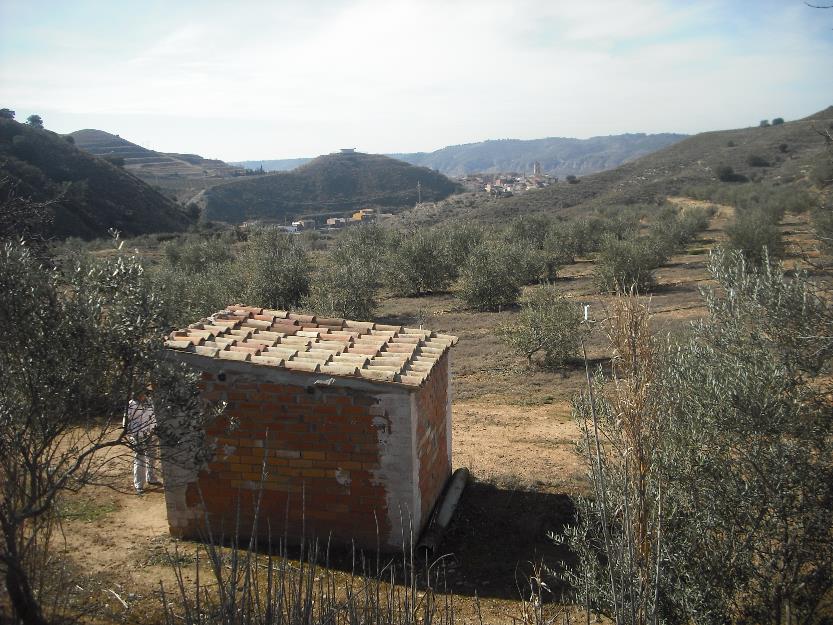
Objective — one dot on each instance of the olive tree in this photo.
(627, 263)
(710, 460)
(77, 345)
(196, 278)
(755, 233)
(548, 323)
(419, 262)
(490, 279)
(275, 270)
(347, 283)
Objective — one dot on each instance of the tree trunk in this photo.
(26, 607)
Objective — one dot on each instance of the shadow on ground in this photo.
(498, 535)
(496, 539)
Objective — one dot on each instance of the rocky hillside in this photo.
(94, 195)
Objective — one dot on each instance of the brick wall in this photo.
(432, 440)
(336, 462)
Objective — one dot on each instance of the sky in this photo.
(273, 79)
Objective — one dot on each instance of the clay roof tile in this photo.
(298, 342)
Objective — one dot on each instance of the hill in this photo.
(280, 164)
(780, 154)
(558, 156)
(95, 195)
(150, 164)
(328, 184)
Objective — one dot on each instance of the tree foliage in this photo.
(490, 279)
(35, 121)
(547, 323)
(275, 270)
(756, 234)
(419, 262)
(348, 283)
(78, 345)
(710, 460)
(628, 263)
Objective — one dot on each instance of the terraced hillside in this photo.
(149, 163)
(328, 184)
(92, 194)
(781, 154)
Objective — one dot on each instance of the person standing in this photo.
(140, 423)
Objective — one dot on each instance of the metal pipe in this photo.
(433, 536)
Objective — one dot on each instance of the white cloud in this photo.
(405, 75)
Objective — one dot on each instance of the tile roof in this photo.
(338, 347)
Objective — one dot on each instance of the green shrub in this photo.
(348, 282)
(274, 269)
(822, 172)
(673, 230)
(419, 263)
(752, 231)
(547, 323)
(726, 173)
(629, 263)
(777, 121)
(489, 281)
(755, 160)
(709, 461)
(823, 226)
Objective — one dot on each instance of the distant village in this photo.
(507, 184)
(495, 184)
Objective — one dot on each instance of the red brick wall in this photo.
(431, 435)
(320, 447)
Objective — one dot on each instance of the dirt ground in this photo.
(511, 427)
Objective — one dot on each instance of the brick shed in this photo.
(352, 420)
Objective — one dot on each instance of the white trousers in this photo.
(144, 461)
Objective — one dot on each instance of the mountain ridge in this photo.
(558, 156)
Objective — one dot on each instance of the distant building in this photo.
(304, 224)
(337, 222)
(536, 168)
(365, 214)
(348, 150)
